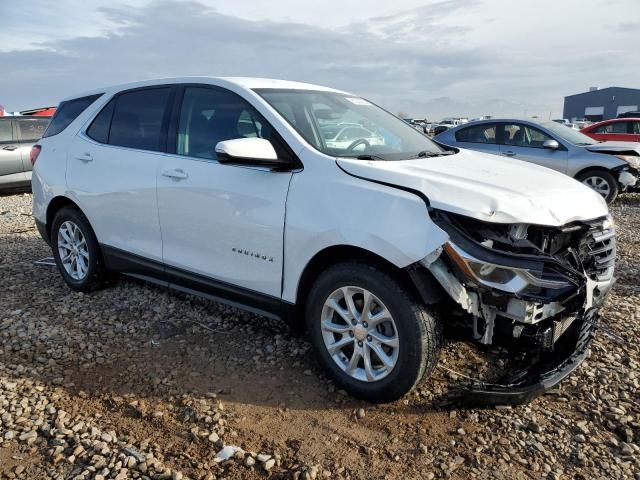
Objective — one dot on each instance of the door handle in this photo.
(509, 153)
(85, 157)
(176, 174)
(10, 148)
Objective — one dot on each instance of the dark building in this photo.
(601, 104)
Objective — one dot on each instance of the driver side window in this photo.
(209, 116)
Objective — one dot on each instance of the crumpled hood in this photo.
(630, 150)
(621, 148)
(488, 187)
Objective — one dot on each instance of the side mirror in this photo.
(551, 144)
(249, 151)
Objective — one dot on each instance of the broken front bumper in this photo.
(526, 384)
(629, 180)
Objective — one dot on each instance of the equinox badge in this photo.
(248, 253)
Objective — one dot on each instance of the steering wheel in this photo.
(355, 143)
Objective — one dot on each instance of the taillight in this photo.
(33, 154)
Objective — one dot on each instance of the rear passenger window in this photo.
(32, 129)
(137, 119)
(99, 128)
(477, 134)
(67, 112)
(6, 134)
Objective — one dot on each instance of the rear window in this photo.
(67, 112)
(138, 117)
(31, 129)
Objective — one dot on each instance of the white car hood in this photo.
(488, 187)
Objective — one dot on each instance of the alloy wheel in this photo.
(360, 334)
(73, 250)
(598, 184)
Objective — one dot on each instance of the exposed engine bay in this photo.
(533, 289)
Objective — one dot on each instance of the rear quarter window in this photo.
(67, 112)
(99, 128)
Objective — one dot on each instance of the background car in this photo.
(618, 129)
(607, 167)
(439, 128)
(343, 137)
(17, 136)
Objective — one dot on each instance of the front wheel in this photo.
(601, 182)
(370, 334)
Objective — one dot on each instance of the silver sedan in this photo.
(606, 167)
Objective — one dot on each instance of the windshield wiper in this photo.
(428, 153)
(369, 157)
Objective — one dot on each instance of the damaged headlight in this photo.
(632, 160)
(502, 277)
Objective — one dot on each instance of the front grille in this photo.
(598, 252)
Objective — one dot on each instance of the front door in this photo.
(224, 223)
(525, 142)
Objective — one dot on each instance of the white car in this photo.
(227, 188)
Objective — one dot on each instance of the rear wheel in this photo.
(370, 334)
(76, 250)
(601, 182)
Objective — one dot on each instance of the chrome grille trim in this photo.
(598, 252)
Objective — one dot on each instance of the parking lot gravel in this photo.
(137, 382)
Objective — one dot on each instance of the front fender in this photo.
(329, 208)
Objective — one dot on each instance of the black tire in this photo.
(419, 332)
(95, 274)
(604, 176)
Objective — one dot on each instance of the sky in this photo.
(432, 58)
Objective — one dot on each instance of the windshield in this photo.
(346, 126)
(568, 133)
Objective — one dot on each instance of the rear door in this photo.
(11, 168)
(112, 168)
(525, 142)
(481, 137)
(30, 130)
(222, 222)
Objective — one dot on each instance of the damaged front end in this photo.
(533, 289)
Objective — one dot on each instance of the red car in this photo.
(618, 129)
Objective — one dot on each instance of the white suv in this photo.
(231, 188)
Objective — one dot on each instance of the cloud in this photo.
(416, 60)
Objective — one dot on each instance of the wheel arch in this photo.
(54, 207)
(594, 168)
(415, 279)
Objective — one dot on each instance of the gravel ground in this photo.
(137, 382)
